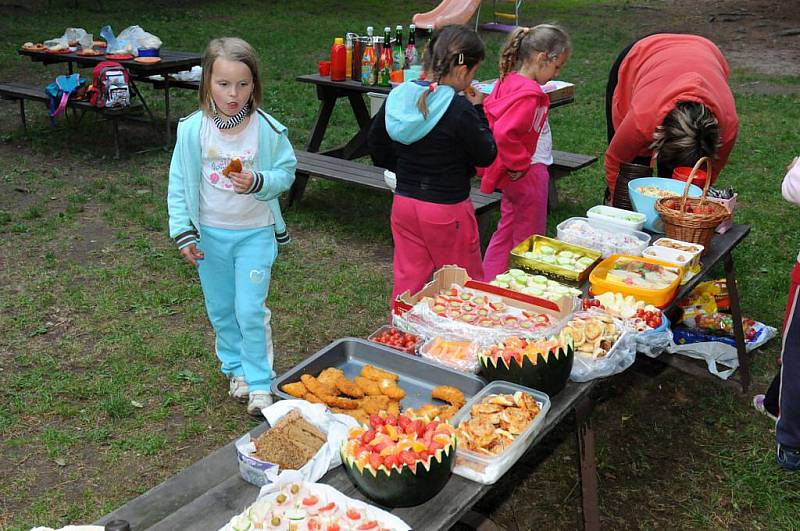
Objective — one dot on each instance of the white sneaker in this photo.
(258, 401)
(238, 388)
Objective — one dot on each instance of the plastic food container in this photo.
(692, 249)
(488, 469)
(552, 270)
(386, 328)
(617, 216)
(253, 470)
(454, 352)
(657, 297)
(646, 204)
(603, 237)
(666, 254)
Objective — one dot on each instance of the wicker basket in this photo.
(692, 227)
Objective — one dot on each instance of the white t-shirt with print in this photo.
(544, 148)
(220, 205)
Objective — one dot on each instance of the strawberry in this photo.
(375, 420)
(368, 436)
(391, 420)
(404, 421)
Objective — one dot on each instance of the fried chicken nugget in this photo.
(314, 399)
(360, 415)
(447, 412)
(370, 387)
(374, 404)
(340, 402)
(295, 389)
(428, 410)
(346, 387)
(449, 394)
(393, 408)
(329, 376)
(318, 388)
(374, 373)
(391, 389)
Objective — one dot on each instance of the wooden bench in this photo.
(333, 168)
(21, 92)
(563, 164)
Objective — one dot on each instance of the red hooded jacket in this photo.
(516, 110)
(658, 72)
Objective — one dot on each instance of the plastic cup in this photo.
(396, 76)
(410, 75)
(324, 68)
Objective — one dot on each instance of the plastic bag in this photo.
(620, 357)
(57, 44)
(86, 42)
(74, 35)
(129, 40)
(722, 359)
(335, 426)
(654, 342)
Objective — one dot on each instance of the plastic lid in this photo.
(338, 40)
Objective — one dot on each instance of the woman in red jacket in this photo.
(668, 96)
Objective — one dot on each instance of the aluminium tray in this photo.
(418, 376)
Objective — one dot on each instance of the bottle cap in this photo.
(399, 26)
(338, 40)
(369, 29)
(387, 29)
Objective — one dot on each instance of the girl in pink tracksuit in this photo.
(517, 114)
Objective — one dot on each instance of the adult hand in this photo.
(192, 254)
(515, 175)
(241, 181)
(475, 97)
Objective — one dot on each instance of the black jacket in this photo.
(438, 167)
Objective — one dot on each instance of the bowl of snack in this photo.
(645, 191)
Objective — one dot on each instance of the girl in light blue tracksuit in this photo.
(229, 223)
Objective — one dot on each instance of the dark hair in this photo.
(452, 46)
(688, 132)
(523, 43)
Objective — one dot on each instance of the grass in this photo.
(106, 357)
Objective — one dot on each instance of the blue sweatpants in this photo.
(235, 275)
(787, 430)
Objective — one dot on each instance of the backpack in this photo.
(110, 87)
(59, 92)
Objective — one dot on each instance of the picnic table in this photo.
(171, 62)
(210, 492)
(329, 92)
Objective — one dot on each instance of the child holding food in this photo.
(231, 162)
(517, 113)
(433, 138)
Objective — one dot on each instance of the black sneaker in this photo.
(788, 458)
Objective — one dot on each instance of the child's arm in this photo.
(180, 224)
(271, 183)
(380, 144)
(476, 137)
(791, 183)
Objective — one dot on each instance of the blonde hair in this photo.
(688, 132)
(453, 46)
(231, 49)
(523, 43)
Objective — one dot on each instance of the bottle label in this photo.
(411, 55)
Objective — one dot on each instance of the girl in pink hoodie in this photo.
(517, 114)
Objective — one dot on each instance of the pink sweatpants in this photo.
(428, 236)
(523, 212)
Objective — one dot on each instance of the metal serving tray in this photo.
(418, 376)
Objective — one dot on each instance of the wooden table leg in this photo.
(738, 330)
(328, 100)
(22, 116)
(587, 465)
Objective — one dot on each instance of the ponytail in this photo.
(510, 52)
(452, 46)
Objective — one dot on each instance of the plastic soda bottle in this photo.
(386, 60)
(368, 66)
(348, 46)
(338, 60)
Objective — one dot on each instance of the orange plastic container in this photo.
(657, 297)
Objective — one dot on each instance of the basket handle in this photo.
(689, 180)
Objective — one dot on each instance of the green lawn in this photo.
(108, 383)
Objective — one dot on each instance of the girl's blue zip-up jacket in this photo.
(275, 174)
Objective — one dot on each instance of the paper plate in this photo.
(147, 60)
(119, 56)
